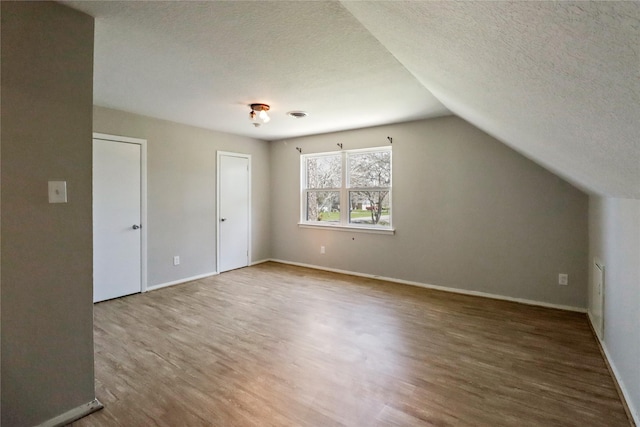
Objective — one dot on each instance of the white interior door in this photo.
(596, 310)
(233, 210)
(117, 238)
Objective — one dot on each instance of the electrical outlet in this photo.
(563, 279)
(322, 249)
(176, 260)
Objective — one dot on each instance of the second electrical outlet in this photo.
(176, 260)
(322, 249)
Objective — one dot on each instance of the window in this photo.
(350, 188)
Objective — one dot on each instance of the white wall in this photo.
(469, 212)
(614, 232)
(181, 180)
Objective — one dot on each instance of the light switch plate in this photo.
(57, 191)
(563, 279)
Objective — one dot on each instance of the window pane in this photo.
(323, 206)
(369, 207)
(370, 169)
(324, 171)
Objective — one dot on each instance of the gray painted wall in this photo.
(614, 237)
(469, 212)
(181, 180)
(47, 310)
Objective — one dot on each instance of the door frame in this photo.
(219, 154)
(143, 197)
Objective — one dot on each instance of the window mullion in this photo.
(344, 194)
(370, 189)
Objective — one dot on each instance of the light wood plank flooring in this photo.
(276, 345)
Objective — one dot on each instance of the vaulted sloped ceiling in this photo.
(557, 81)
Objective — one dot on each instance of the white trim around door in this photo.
(143, 197)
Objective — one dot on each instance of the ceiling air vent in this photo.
(298, 114)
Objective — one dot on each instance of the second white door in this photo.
(116, 219)
(234, 208)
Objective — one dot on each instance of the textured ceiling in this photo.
(202, 63)
(558, 81)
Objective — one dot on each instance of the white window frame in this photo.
(344, 190)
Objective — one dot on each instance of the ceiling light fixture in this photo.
(259, 114)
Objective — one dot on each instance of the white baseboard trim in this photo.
(439, 288)
(632, 410)
(73, 414)
(177, 282)
(262, 261)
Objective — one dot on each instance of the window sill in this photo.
(349, 228)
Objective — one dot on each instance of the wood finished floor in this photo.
(276, 345)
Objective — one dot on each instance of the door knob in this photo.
(136, 226)
(223, 219)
